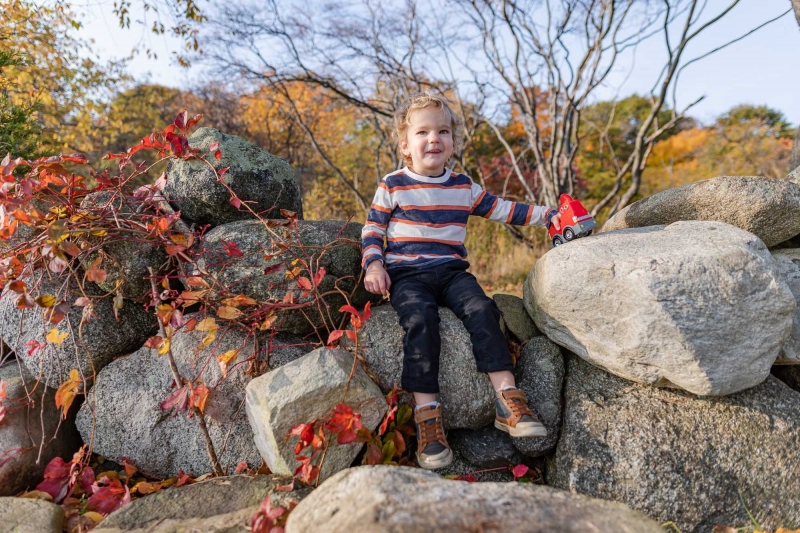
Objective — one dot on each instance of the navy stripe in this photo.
(483, 207)
(520, 214)
(378, 217)
(439, 216)
(425, 248)
(370, 240)
(421, 262)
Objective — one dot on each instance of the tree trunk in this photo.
(794, 162)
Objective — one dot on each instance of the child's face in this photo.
(429, 141)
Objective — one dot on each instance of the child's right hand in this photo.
(377, 279)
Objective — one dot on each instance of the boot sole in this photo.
(529, 431)
(439, 460)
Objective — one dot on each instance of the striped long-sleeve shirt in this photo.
(424, 219)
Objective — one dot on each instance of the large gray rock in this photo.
(26, 426)
(788, 262)
(102, 339)
(515, 319)
(378, 499)
(697, 305)
(680, 458)
(768, 208)
(246, 274)
(254, 175)
(25, 515)
(129, 422)
(305, 390)
(540, 375)
(466, 395)
(217, 505)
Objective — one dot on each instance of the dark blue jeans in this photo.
(417, 294)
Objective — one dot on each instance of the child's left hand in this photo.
(556, 219)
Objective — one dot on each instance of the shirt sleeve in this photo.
(489, 206)
(375, 229)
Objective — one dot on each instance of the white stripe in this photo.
(447, 233)
(476, 193)
(455, 197)
(372, 251)
(383, 198)
(501, 210)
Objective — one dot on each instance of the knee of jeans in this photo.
(420, 317)
(481, 307)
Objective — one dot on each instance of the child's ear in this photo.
(403, 143)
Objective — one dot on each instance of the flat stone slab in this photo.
(768, 208)
(217, 505)
(383, 499)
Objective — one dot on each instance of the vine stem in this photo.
(201, 420)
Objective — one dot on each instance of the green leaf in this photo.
(388, 452)
(404, 414)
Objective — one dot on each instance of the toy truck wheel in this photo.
(557, 241)
(569, 234)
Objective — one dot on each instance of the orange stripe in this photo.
(427, 186)
(528, 217)
(427, 224)
(483, 193)
(424, 239)
(372, 247)
(382, 209)
(487, 215)
(373, 234)
(435, 207)
(382, 185)
(511, 212)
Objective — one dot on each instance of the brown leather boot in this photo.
(432, 449)
(513, 415)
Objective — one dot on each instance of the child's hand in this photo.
(377, 279)
(554, 218)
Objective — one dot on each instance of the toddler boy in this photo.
(422, 210)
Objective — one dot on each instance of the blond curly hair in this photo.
(424, 100)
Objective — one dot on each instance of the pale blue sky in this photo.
(762, 69)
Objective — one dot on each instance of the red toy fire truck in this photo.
(575, 221)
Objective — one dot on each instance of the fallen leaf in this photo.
(228, 313)
(67, 392)
(53, 336)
